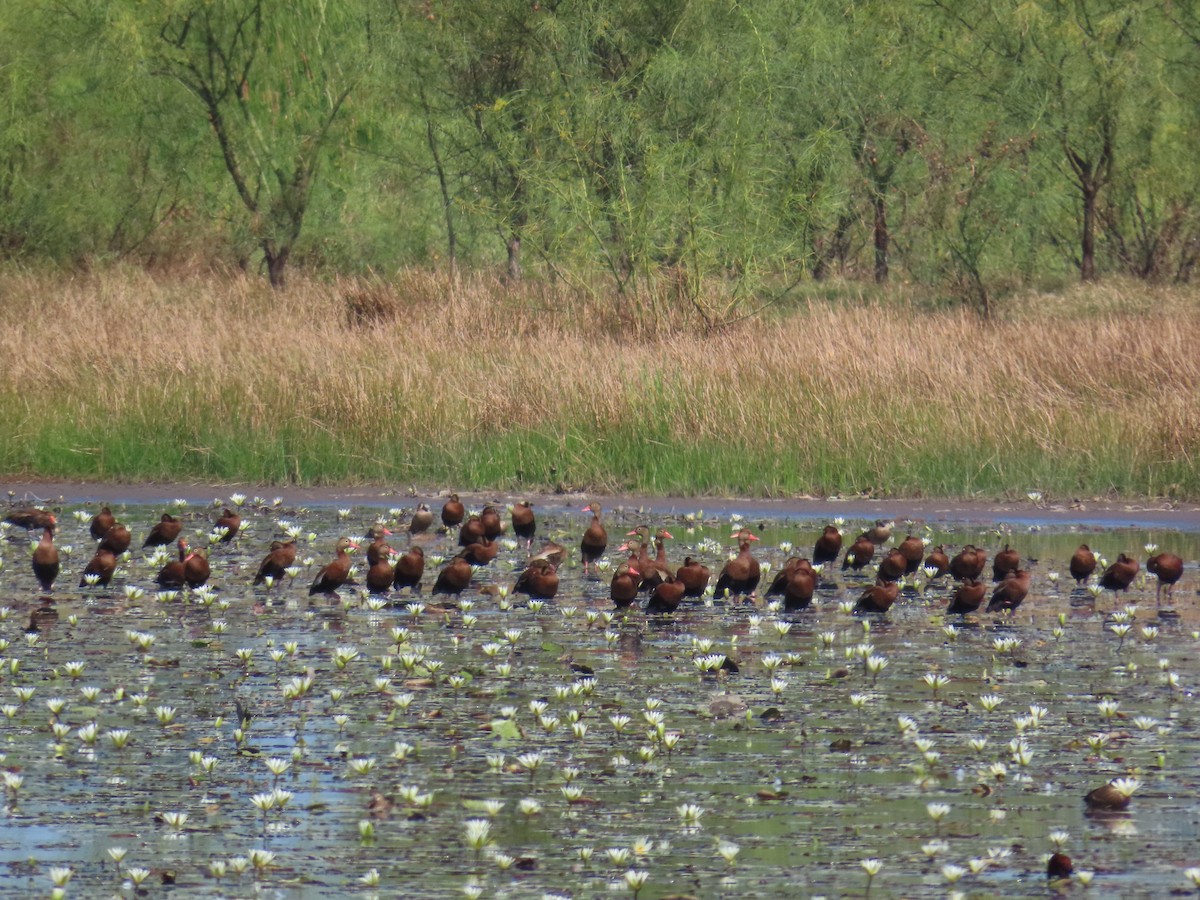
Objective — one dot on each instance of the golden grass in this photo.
(122, 374)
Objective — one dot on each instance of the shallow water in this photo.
(806, 784)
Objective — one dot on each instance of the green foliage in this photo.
(697, 158)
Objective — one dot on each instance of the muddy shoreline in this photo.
(1101, 513)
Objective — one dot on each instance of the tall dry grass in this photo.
(119, 374)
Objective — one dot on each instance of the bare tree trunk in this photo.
(514, 257)
(881, 239)
(1087, 260)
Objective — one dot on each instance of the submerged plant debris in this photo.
(243, 739)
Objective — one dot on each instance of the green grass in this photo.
(220, 380)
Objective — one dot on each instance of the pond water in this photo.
(604, 746)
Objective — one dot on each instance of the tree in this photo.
(272, 82)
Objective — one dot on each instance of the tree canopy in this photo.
(707, 155)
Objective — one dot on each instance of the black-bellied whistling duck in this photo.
(30, 518)
(779, 582)
(660, 558)
(879, 533)
(231, 522)
(471, 531)
(861, 552)
(1119, 576)
(828, 546)
(165, 531)
(879, 597)
(170, 576)
(378, 548)
(196, 569)
(892, 566)
(969, 562)
(409, 569)
(103, 565)
(552, 553)
(1083, 564)
(595, 538)
(694, 576)
(1059, 865)
(493, 527)
(539, 580)
(798, 592)
(1107, 797)
(1011, 592)
(117, 540)
(1007, 560)
(623, 589)
(912, 548)
(938, 561)
(524, 522)
(481, 552)
(101, 522)
(968, 597)
(666, 596)
(380, 575)
(45, 558)
(454, 577)
(280, 558)
(333, 575)
(421, 521)
(1167, 566)
(453, 512)
(741, 574)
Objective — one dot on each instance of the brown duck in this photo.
(539, 580)
(892, 566)
(1119, 576)
(694, 576)
(278, 560)
(861, 552)
(742, 573)
(524, 523)
(968, 597)
(380, 575)
(1083, 564)
(1007, 560)
(116, 540)
(471, 531)
(595, 538)
(409, 569)
(333, 575)
(170, 576)
(666, 596)
(969, 562)
(378, 548)
(196, 569)
(552, 553)
(879, 597)
(938, 561)
(421, 521)
(165, 531)
(1167, 566)
(798, 592)
(453, 512)
(912, 548)
(231, 522)
(1011, 592)
(454, 577)
(481, 552)
(45, 558)
(828, 546)
(623, 589)
(103, 564)
(101, 522)
(493, 527)
(30, 518)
